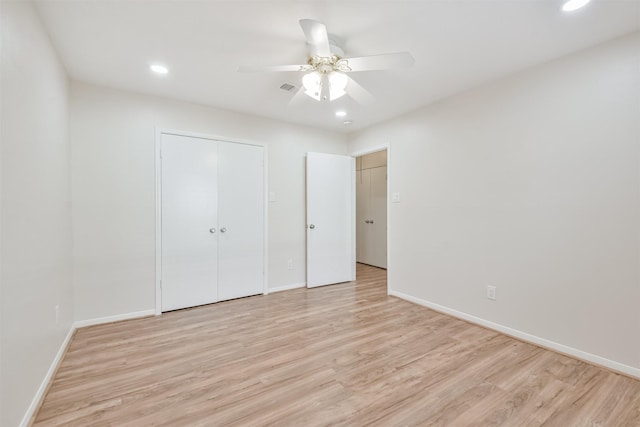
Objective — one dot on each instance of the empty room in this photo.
(319, 213)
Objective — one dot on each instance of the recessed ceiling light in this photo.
(347, 122)
(341, 113)
(574, 4)
(160, 69)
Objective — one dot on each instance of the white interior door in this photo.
(330, 219)
(241, 220)
(189, 218)
(377, 243)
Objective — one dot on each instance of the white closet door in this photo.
(189, 217)
(330, 219)
(377, 242)
(241, 220)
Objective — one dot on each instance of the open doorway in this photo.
(371, 209)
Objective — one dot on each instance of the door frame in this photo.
(158, 202)
(375, 149)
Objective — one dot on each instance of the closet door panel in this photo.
(189, 255)
(241, 220)
(362, 212)
(377, 254)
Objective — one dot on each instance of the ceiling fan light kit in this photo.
(322, 86)
(327, 79)
(326, 70)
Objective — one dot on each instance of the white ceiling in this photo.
(456, 44)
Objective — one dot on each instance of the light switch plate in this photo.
(491, 292)
(272, 196)
(395, 198)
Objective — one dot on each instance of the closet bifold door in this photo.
(363, 191)
(189, 247)
(371, 213)
(241, 220)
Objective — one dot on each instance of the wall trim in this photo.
(109, 319)
(46, 381)
(532, 339)
(286, 287)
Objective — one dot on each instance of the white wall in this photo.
(530, 184)
(36, 218)
(113, 186)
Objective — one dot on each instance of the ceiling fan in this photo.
(326, 69)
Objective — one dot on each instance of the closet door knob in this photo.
(371, 222)
(212, 230)
(366, 221)
(312, 226)
(223, 230)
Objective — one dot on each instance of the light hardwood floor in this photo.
(345, 354)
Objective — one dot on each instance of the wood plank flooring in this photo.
(345, 355)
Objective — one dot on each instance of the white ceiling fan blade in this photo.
(358, 93)
(380, 62)
(297, 98)
(259, 68)
(317, 38)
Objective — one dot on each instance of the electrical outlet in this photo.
(57, 308)
(491, 292)
(290, 264)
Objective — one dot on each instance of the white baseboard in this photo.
(116, 318)
(35, 402)
(286, 287)
(542, 342)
